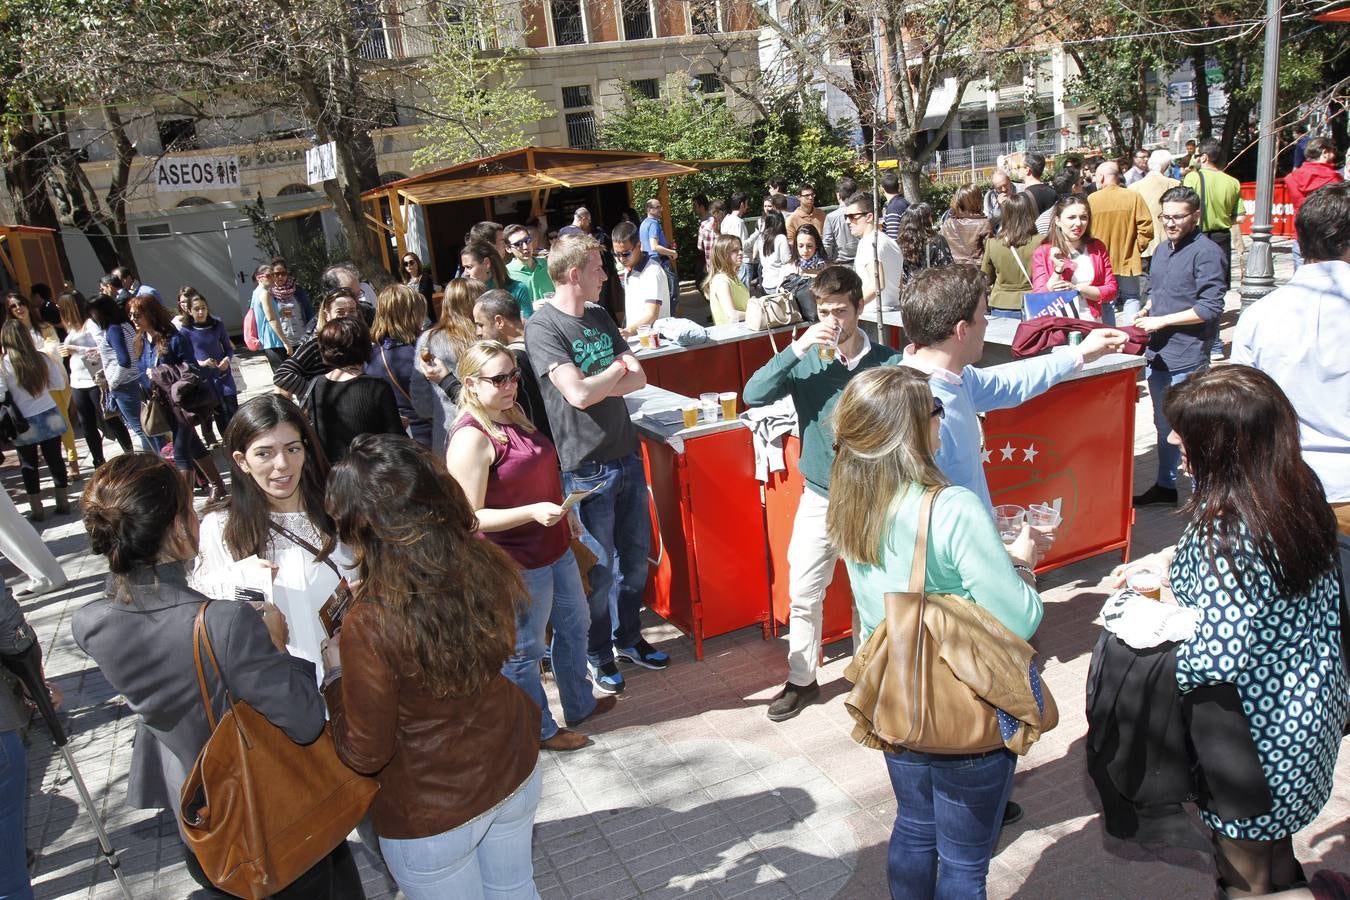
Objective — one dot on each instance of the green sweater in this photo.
(1008, 281)
(965, 557)
(814, 388)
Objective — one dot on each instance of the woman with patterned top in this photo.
(1258, 560)
(277, 472)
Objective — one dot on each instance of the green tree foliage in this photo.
(480, 107)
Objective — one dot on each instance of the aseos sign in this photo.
(196, 173)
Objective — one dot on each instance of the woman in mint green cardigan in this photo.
(886, 428)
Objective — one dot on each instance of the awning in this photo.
(587, 175)
(297, 213)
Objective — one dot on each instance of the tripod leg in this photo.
(104, 844)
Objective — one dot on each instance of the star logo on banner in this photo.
(1029, 454)
(1007, 450)
(986, 455)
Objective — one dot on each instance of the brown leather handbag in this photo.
(932, 674)
(258, 809)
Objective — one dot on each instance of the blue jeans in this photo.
(949, 811)
(746, 273)
(617, 528)
(1130, 299)
(674, 281)
(556, 599)
(128, 401)
(14, 884)
(1160, 379)
(489, 857)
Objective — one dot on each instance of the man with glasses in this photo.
(646, 291)
(585, 369)
(655, 243)
(814, 370)
(1188, 282)
(807, 213)
(878, 262)
(525, 269)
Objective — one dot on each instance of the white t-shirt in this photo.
(644, 286)
(774, 264)
(734, 225)
(892, 266)
(30, 404)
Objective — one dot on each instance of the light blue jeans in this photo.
(557, 599)
(128, 401)
(489, 857)
(1160, 380)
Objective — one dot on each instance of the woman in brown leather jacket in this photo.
(423, 706)
(965, 227)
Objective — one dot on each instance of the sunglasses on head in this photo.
(503, 379)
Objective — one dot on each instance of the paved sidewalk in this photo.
(689, 791)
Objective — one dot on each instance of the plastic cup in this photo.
(712, 406)
(728, 401)
(1043, 518)
(644, 333)
(1008, 518)
(689, 409)
(1145, 580)
(828, 353)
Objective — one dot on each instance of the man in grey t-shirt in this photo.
(585, 369)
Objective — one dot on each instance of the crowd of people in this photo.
(462, 456)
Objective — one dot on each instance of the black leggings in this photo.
(275, 356)
(28, 459)
(335, 877)
(88, 404)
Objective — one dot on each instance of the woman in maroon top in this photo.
(509, 472)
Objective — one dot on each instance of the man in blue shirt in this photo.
(1189, 279)
(654, 241)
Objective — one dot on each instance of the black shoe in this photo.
(791, 700)
(1012, 813)
(1156, 494)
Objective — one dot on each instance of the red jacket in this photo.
(1102, 275)
(1307, 178)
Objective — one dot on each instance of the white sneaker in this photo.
(36, 587)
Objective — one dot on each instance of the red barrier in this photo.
(1282, 210)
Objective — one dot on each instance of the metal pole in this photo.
(104, 844)
(1258, 275)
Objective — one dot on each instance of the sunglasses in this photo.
(503, 379)
(939, 411)
(853, 217)
(409, 262)
(623, 254)
(523, 242)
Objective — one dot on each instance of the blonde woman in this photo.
(45, 339)
(510, 475)
(399, 314)
(436, 389)
(727, 296)
(886, 428)
(305, 364)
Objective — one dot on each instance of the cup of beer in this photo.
(689, 409)
(1145, 579)
(711, 405)
(645, 336)
(728, 401)
(1043, 518)
(1008, 518)
(828, 353)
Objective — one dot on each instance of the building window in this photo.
(708, 83)
(637, 19)
(1012, 131)
(580, 116)
(646, 87)
(157, 231)
(569, 24)
(177, 134)
(705, 16)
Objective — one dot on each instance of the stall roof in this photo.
(533, 169)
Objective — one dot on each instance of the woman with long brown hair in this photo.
(966, 227)
(28, 376)
(1073, 260)
(1258, 560)
(46, 339)
(399, 314)
(419, 279)
(86, 373)
(414, 680)
(436, 391)
(159, 343)
(138, 514)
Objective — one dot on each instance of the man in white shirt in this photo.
(733, 223)
(646, 289)
(1299, 335)
(881, 277)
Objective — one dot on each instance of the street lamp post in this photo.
(1258, 276)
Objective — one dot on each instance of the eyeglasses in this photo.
(939, 411)
(503, 379)
(1172, 220)
(853, 217)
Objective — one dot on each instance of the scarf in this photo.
(285, 292)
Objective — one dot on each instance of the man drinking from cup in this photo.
(803, 372)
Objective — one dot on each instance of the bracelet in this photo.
(1023, 567)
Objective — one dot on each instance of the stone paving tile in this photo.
(688, 791)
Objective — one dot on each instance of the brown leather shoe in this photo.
(602, 706)
(565, 741)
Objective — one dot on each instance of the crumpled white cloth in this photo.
(1143, 623)
(768, 426)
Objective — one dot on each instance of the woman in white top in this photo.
(275, 512)
(775, 253)
(86, 371)
(28, 376)
(45, 339)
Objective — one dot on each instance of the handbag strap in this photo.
(1204, 205)
(201, 638)
(918, 568)
(392, 379)
(1017, 257)
(305, 545)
